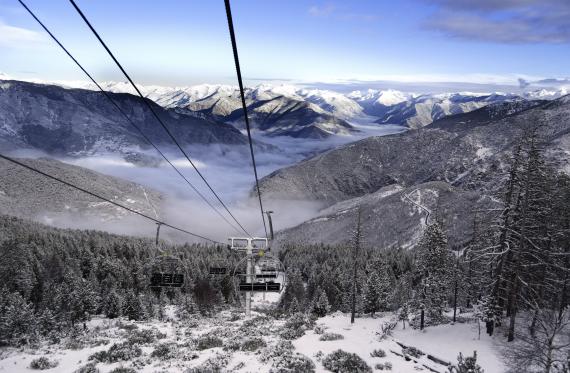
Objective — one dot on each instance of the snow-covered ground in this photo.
(363, 337)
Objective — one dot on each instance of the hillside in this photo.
(25, 194)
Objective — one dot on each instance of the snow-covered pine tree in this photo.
(466, 365)
(320, 305)
(112, 304)
(432, 273)
(371, 294)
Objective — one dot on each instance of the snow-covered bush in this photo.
(232, 344)
(331, 337)
(276, 351)
(117, 352)
(253, 344)
(466, 365)
(42, 363)
(209, 341)
(164, 351)
(292, 362)
(256, 326)
(385, 366)
(378, 353)
(123, 370)
(386, 329)
(412, 351)
(341, 361)
(319, 329)
(214, 364)
(296, 326)
(145, 336)
(89, 368)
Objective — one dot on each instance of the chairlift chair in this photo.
(218, 268)
(167, 271)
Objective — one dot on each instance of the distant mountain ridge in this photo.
(389, 106)
(79, 122)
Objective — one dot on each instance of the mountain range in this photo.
(453, 164)
(78, 122)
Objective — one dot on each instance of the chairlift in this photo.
(218, 268)
(266, 270)
(167, 271)
(269, 286)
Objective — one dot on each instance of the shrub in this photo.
(296, 326)
(412, 351)
(293, 363)
(232, 344)
(274, 352)
(214, 364)
(117, 352)
(89, 368)
(319, 329)
(253, 344)
(385, 366)
(341, 361)
(209, 341)
(123, 370)
(378, 353)
(331, 337)
(145, 336)
(42, 363)
(164, 351)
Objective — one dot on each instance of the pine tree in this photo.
(294, 306)
(432, 273)
(112, 304)
(133, 307)
(320, 305)
(371, 294)
(466, 365)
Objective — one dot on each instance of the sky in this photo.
(186, 42)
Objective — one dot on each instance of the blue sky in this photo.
(186, 42)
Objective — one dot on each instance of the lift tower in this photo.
(251, 247)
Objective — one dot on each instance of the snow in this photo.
(362, 338)
(447, 341)
(444, 342)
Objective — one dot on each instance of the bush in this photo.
(164, 351)
(378, 353)
(253, 344)
(341, 361)
(293, 363)
(274, 352)
(118, 352)
(412, 351)
(209, 341)
(331, 337)
(145, 336)
(214, 364)
(89, 368)
(319, 329)
(123, 370)
(42, 363)
(385, 366)
(296, 326)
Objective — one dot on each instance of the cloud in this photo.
(503, 21)
(342, 14)
(322, 10)
(18, 37)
